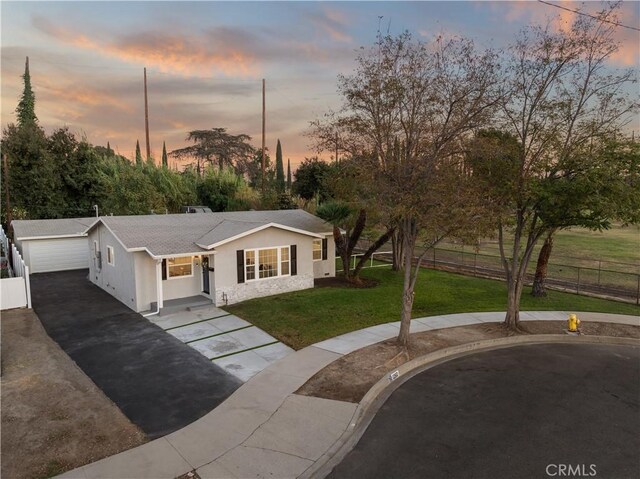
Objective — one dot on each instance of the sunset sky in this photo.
(205, 60)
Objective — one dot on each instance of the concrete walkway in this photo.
(228, 341)
(263, 429)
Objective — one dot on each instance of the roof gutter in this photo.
(74, 235)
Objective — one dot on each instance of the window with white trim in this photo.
(317, 250)
(250, 264)
(266, 263)
(179, 267)
(111, 257)
(284, 261)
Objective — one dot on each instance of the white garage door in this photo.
(58, 254)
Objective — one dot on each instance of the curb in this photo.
(382, 390)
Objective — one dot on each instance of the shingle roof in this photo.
(181, 233)
(227, 229)
(48, 228)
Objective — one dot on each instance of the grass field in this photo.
(306, 317)
(616, 249)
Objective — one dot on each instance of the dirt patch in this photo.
(340, 282)
(54, 418)
(350, 377)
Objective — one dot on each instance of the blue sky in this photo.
(205, 60)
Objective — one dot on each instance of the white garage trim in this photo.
(58, 254)
(27, 238)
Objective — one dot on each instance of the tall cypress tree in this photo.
(288, 174)
(279, 168)
(26, 107)
(138, 154)
(165, 160)
(109, 150)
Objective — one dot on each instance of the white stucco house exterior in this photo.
(146, 261)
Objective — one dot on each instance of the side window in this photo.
(317, 249)
(111, 259)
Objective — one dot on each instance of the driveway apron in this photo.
(158, 382)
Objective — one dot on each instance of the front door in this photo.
(205, 274)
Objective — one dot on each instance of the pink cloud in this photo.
(86, 96)
(334, 23)
(181, 54)
(559, 19)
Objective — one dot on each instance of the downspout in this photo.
(160, 302)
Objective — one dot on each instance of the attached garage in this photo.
(53, 245)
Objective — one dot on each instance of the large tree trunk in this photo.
(372, 249)
(341, 248)
(538, 289)
(397, 250)
(513, 307)
(409, 241)
(351, 241)
(516, 270)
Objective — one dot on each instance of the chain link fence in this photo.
(600, 281)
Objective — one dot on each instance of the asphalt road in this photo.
(522, 412)
(158, 382)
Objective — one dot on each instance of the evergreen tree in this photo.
(288, 174)
(138, 154)
(26, 107)
(279, 168)
(34, 179)
(109, 150)
(165, 160)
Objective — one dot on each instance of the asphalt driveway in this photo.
(528, 411)
(158, 382)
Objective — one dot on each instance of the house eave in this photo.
(179, 255)
(29, 238)
(256, 230)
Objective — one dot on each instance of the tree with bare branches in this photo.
(412, 103)
(562, 94)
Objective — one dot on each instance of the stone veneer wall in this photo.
(264, 287)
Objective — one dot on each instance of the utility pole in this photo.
(146, 114)
(336, 147)
(6, 190)
(263, 135)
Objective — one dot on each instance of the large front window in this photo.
(177, 267)
(266, 263)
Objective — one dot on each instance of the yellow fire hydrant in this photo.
(573, 323)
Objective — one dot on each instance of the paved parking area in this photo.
(160, 384)
(228, 341)
(524, 411)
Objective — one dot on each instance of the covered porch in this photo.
(183, 283)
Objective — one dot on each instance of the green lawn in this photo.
(585, 248)
(306, 317)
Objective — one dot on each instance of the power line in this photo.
(604, 20)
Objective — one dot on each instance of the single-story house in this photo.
(53, 245)
(145, 261)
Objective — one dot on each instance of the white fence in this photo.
(5, 242)
(355, 260)
(15, 291)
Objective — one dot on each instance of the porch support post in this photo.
(159, 284)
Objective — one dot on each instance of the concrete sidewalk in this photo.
(263, 429)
